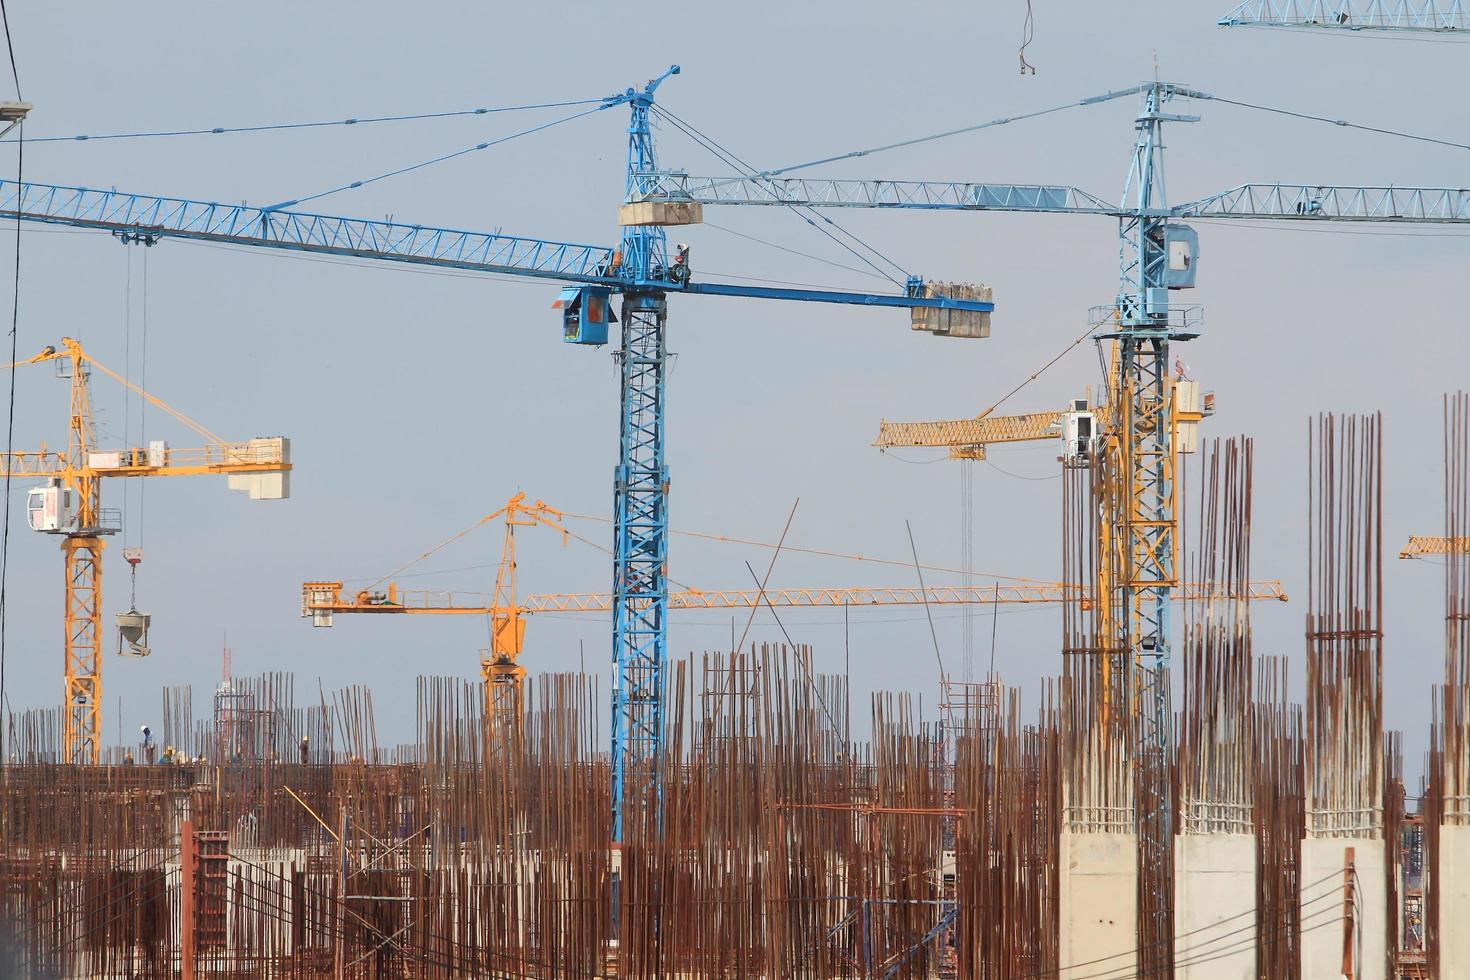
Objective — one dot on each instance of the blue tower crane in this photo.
(1416, 16)
(1158, 254)
(639, 271)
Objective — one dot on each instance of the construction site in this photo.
(1226, 735)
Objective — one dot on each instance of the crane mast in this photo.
(640, 489)
(81, 550)
(1146, 431)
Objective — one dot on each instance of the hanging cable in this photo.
(967, 564)
(1028, 34)
(316, 124)
(127, 431)
(143, 410)
(1342, 123)
(810, 215)
(432, 161)
(792, 251)
(10, 409)
(917, 140)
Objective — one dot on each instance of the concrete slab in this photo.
(1322, 908)
(1099, 903)
(1214, 907)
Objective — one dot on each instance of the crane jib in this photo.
(144, 219)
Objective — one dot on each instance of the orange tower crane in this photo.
(499, 663)
(1425, 545)
(1087, 435)
(69, 505)
(500, 667)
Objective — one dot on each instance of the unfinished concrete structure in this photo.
(285, 842)
(1215, 850)
(1345, 863)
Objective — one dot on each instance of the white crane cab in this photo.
(51, 509)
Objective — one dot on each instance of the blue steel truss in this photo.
(1431, 16)
(640, 587)
(639, 270)
(147, 219)
(927, 195)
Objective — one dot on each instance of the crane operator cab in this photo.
(51, 509)
(586, 312)
(1079, 433)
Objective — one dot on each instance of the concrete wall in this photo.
(1099, 903)
(1452, 883)
(1322, 907)
(1214, 907)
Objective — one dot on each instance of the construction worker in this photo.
(305, 751)
(168, 754)
(149, 748)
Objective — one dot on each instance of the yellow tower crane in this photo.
(1086, 435)
(500, 667)
(69, 505)
(1425, 545)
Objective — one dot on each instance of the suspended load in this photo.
(132, 634)
(952, 323)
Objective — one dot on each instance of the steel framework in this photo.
(639, 270)
(1431, 16)
(1156, 256)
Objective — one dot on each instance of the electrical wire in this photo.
(10, 408)
(315, 124)
(432, 161)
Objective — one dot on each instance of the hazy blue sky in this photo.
(418, 401)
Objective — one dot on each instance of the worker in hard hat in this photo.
(305, 750)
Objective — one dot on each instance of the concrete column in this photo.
(1324, 936)
(1099, 903)
(1452, 886)
(1214, 907)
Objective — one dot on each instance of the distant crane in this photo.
(640, 271)
(502, 673)
(1427, 545)
(499, 663)
(1418, 16)
(69, 505)
(1157, 255)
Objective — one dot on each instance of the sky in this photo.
(419, 401)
